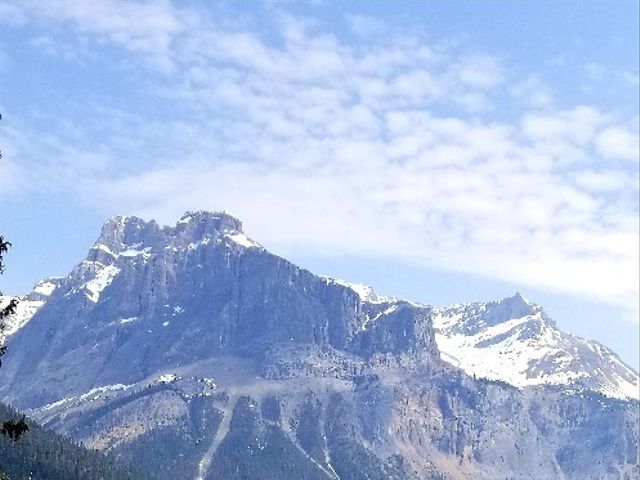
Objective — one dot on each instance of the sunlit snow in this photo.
(528, 351)
(102, 280)
(242, 240)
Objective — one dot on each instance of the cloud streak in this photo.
(394, 147)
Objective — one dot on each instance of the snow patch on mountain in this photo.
(104, 276)
(104, 248)
(242, 240)
(24, 311)
(168, 378)
(27, 306)
(98, 393)
(371, 320)
(45, 287)
(134, 252)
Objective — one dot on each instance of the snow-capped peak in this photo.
(514, 341)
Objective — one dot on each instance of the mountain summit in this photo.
(194, 352)
(513, 340)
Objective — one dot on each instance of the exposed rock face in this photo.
(195, 352)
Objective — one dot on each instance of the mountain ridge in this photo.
(121, 236)
(195, 339)
(626, 385)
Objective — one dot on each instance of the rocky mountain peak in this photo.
(121, 232)
(197, 226)
(218, 221)
(476, 317)
(515, 306)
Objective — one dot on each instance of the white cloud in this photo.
(619, 142)
(483, 72)
(605, 181)
(381, 148)
(533, 92)
(147, 28)
(577, 126)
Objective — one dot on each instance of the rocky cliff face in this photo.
(194, 351)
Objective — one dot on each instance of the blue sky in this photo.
(440, 151)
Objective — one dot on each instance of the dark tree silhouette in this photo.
(10, 307)
(14, 429)
(11, 428)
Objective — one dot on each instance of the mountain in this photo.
(511, 340)
(514, 341)
(197, 354)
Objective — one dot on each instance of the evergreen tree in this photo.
(10, 307)
(10, 428)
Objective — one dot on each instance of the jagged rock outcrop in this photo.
(194, 351)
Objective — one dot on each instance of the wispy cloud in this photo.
(391, 147)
